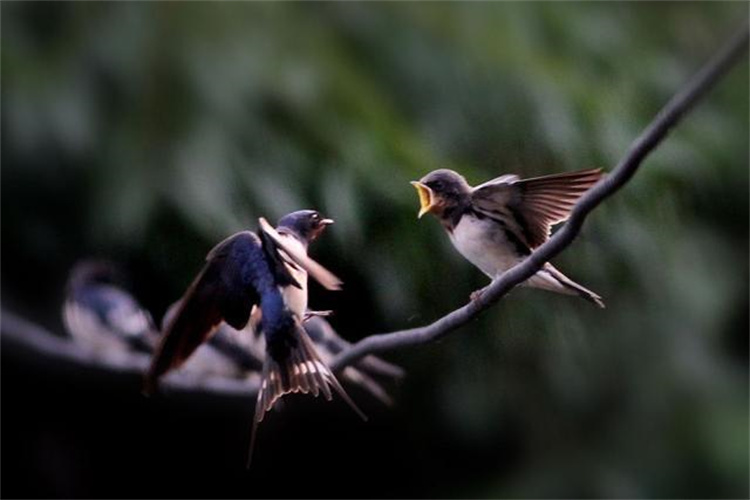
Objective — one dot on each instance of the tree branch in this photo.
(664, 121)
(20, 334)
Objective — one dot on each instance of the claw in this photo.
(476, 294)
(321, 314)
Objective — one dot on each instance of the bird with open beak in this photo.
(497, 224)
(267, 269)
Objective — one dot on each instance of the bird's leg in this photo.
(478, 293)
(322, 314)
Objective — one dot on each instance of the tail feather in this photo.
(573, 287)
(302, 372)
(373, 387)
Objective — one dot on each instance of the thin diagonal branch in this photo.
(45, 346)
(652, 136)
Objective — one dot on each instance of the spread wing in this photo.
(320, 273)
(535, 204)
(236, 273)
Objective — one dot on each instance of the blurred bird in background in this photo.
(99, 313)
(268, 269)
(497, 224)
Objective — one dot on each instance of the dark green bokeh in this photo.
(148, 132)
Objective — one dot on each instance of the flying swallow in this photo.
(497, 224)
(268, 269)
(100, 313)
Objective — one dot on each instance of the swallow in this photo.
(497, 224)
(98, 311)
(267, 269)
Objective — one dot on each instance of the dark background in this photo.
(146, 133)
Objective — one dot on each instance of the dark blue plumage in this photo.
(238, 275)
(267, 270)
(100, 313)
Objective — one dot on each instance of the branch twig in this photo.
(45, 345)
(667, 118)
(24, 334)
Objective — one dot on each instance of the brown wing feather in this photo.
(195, 321)
(546, 201)
(536, 203)
(220, 292)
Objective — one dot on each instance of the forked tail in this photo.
(303, 371)
(574, 288)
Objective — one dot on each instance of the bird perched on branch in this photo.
(99, 312)
(268, 269)
(497, 224)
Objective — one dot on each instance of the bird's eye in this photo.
(315, 217)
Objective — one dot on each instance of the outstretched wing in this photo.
(236, 273)
(534, 204)
(320, 273)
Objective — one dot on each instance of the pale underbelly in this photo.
(485, 245)
(294, 298)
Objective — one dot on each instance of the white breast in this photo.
(484, 244)
(295, 299)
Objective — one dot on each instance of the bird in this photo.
(99, 312)
(495, 225)
(267, 269)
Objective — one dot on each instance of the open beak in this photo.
(426, 198)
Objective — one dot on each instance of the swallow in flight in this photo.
(267, 269)
(99, 312)
(497, 224)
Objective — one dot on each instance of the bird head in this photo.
(307, 225)
(441, 190)
(90, 272)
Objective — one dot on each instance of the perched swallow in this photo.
(497, 224)
(100, 313)
(268, 269)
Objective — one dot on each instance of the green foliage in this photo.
(149, 131)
